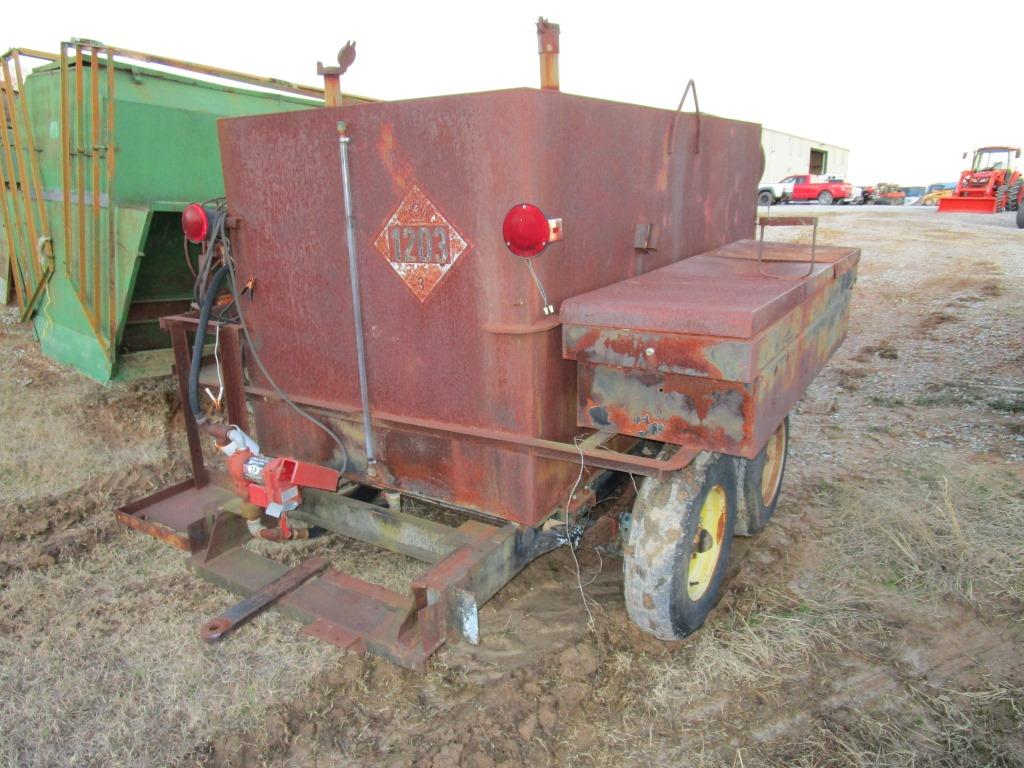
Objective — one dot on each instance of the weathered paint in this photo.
(703, 412)
(420, 244)
(462, 377)
(716, 357)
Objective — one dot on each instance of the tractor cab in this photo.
(994, 159)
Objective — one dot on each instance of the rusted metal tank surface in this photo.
(463, 365)
(713, 352)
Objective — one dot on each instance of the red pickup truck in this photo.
(819, 188)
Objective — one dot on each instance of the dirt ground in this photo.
(879, 620)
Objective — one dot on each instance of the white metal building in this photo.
(785, 154)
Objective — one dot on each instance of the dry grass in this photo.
(61, 430)
(760, 648)
(100, 663)
(813, 674)
(938, 527)
(809, 661)
(929, 726)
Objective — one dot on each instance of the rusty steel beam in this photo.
(261, 81)
(31, 53)
(593, 455)
(182, 362)
(365, 617)
(233, 375)
(549, 449)
(218, 628)
(408, 535)
(171, 514)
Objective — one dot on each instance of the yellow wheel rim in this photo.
(707, 543)
(771, 473)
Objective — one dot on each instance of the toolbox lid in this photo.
(719, 293)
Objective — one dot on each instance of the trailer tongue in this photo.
(501, 303)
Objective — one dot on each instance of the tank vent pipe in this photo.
(547, 46)
(357, 307)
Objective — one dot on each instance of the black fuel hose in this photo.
(200, 342)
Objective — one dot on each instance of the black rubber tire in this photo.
(1020, 217)
(661, 546)
(1000, 198)
(765, 197)
(825, 197)
(1013, 196)
(752, 513)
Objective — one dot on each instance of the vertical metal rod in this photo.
(5, 184)
(12, 220)
(65, 157)
(33, 160)
(357, 307)
(24, 183)
(94, 161)
(83, 252)
(111, 157)
(547, 47)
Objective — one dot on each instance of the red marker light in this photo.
(195, 223)
(526, 230)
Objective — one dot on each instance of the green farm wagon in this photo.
(99, 156)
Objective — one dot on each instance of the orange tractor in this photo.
(992, 185)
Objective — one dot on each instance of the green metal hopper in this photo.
(98, 157)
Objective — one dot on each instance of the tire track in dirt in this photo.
(38, 533)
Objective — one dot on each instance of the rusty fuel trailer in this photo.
(502, 303)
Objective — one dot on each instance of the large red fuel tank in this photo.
(464, 368)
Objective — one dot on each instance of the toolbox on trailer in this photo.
(710, 352)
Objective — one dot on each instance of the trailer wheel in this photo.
(759, 483)
(765, 197)
(825, 197)
(678, 546)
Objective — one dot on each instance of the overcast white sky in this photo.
(882, 79)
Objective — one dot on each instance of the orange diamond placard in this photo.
(420, 244)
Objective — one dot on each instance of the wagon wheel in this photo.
(759, 483)
(678, 546)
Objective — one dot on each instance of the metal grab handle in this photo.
(690, 86)
(787, 221)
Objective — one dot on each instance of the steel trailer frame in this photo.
(466, 565)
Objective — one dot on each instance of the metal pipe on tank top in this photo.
(357, 307)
